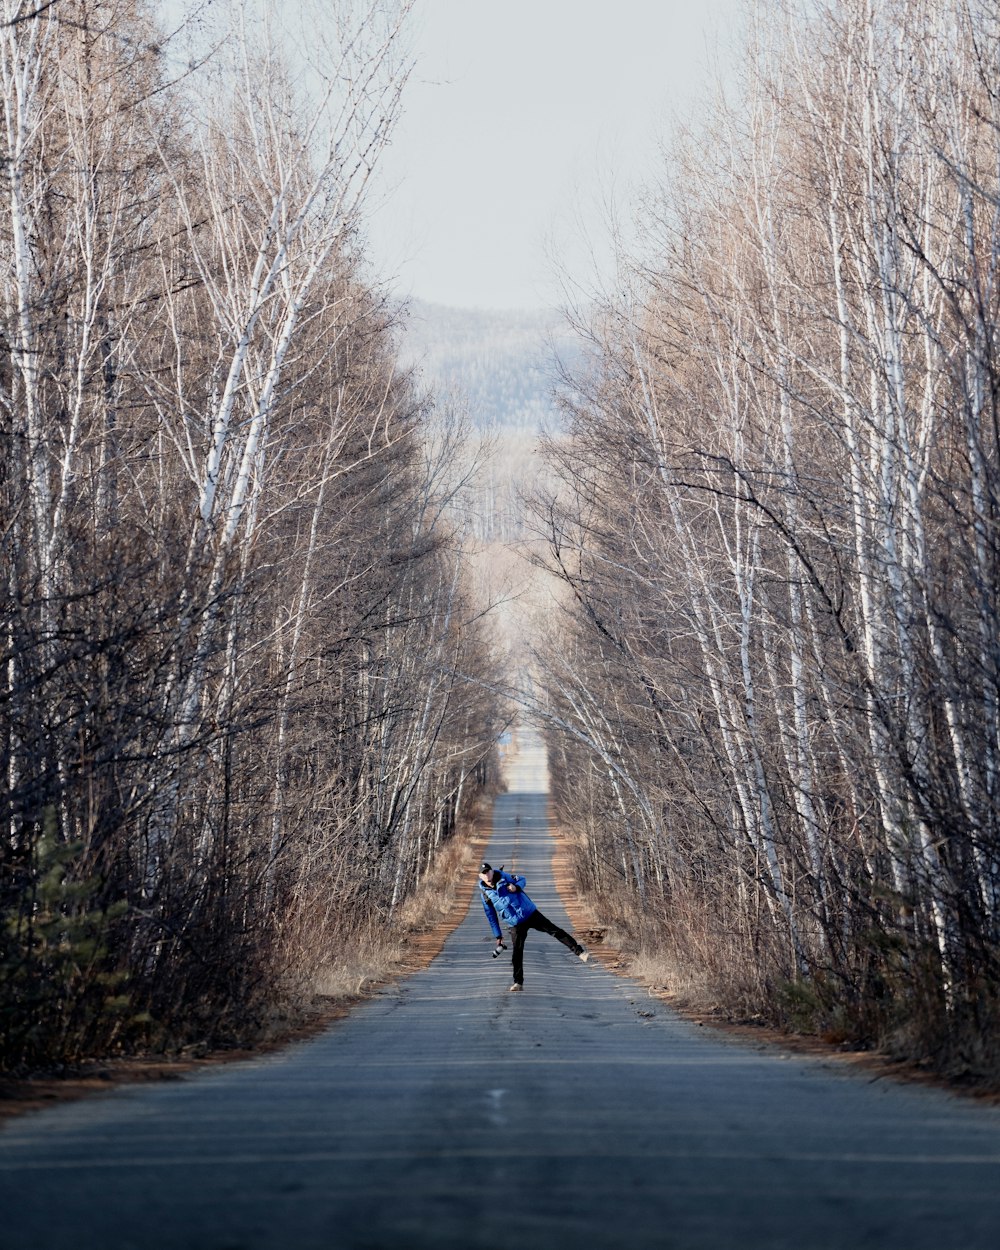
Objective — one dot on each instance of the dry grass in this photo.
(358, 966)
(418, 931)
(444, 887)
(332, 959)
(663, 974)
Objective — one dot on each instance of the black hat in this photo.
(484, 867)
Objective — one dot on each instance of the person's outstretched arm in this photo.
(491, 914)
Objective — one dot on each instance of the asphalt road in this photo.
(448, 1112)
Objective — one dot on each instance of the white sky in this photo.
(521, 118)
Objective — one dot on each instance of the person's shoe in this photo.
(583, 955)
(516, 988)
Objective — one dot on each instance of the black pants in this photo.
(544, 925)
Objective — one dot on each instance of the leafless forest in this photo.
(250, 681)
(243, 688)
(775, 689)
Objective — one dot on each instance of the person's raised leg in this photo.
(537, 921)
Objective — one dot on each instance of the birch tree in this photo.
(227, 568)
(784, 457)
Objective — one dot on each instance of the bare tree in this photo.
(775, 526)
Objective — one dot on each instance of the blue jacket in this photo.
(504, 902)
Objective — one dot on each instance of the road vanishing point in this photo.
(447, 1112)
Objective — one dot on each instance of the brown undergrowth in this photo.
(610, 945)
(422, 926)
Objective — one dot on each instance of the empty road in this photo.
(449, 1113)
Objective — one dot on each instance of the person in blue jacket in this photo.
(504, 900)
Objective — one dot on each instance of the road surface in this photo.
(450, 1113)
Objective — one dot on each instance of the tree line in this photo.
(775, 686)
(243, 692)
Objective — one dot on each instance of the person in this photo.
(504, 900)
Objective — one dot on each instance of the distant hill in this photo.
(499, 364)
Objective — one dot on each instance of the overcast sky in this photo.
(521, 117)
